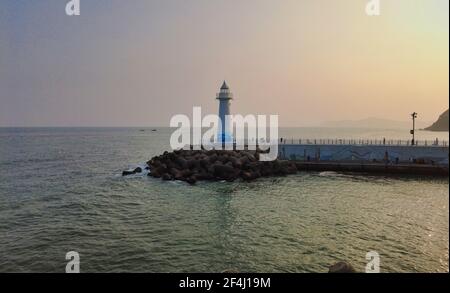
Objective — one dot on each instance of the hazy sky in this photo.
(138, 62)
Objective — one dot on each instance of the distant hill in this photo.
(441, 124)
(375, 123)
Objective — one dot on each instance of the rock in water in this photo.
(166, 177)
(132, 172)
(127, 173)
(225, 172)
(342, 267)
(191, 180)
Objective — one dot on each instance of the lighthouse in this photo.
(224, 97)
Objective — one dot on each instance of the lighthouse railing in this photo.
(224, 95)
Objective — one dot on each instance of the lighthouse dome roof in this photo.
(224, 86)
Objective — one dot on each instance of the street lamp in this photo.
(413, 131)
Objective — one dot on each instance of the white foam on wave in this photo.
(335, 175)
(328, 173)
(177, 182)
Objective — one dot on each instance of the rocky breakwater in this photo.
(216, 165)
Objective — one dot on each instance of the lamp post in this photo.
(413, 131)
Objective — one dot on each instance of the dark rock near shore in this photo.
(166, 177)
(225, 172)
(132, 172)
(199, 165)
(192, 179)
(342, 267)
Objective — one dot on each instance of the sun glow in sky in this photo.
(137, 63)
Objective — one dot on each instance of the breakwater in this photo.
(215, 165)
(199, 165)
(428, 155)
(370, 158)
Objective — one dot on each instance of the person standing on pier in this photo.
(386, 157)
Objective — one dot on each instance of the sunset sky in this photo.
(138, 62)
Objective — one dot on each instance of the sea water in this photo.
(61, 190)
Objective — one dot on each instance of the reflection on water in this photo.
(59, 191)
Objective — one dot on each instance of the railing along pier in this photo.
(363, 142)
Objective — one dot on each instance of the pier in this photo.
(365, 155)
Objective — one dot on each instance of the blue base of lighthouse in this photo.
(225, 138)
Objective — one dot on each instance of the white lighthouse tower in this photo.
(224, 97)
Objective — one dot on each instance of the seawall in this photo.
(432, 160)
(375, 168)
